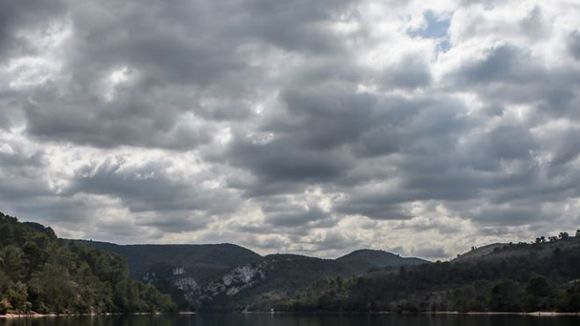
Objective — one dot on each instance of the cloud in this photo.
(294, 216)
(148, 187)
(431, 253)
(574, 44)
(315, 127)
(18, 18)
(409, 73)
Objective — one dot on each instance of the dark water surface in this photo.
(298, 320)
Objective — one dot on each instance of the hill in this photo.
(366, 259)
(528, 277)
(477, 253)
(230, 277)
(201, 260)
(183, 271)
(539, 248)
(276, 277)
(43, 274)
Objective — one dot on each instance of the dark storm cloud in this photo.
(173, 222)
(413, 126)
(26, 190)
(132, 119)
(20, 160)
(323, 117)
(423, 134)
(287, 161)
(509, 215)
(503, 63)
(321, 131)
(16, 16)
(17, 185)
(10, 113)
(295, 216)
(574, 44)
(294, 25)
(411, 72)
(565, 145)
(506, 142)
(20, 172)
(180, 55)
(374, 206)
(164, 62)
(309, 131)
(511, 74)
(149, 188)
(56, 212)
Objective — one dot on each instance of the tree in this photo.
(42, 273)
(505, 296)
(464, 299)
(537, 295)
(12, 262)
(17, 295)
(569, 300)
(53, 286)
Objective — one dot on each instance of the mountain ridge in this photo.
(230, 276)
(375, 258)
(541, 275)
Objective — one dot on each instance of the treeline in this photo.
(43, 274)
(523, 283)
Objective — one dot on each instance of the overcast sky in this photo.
(314, 127)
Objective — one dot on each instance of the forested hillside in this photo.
(205, 260)
(367, 259)
(43, 274)
(524, 277)
(229, 277)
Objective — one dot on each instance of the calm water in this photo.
(298, 320)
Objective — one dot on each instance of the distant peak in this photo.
(365, 252)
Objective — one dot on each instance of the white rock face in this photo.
(149, 277)
(178, 271)
(243, 274)
(228, 284)
(235, 281)
(186, 284)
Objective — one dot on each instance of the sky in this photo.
(311, 127)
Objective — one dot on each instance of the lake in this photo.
(297, 320)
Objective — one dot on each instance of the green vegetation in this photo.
(205, 261)
(167, 266)
(43, 274)
(514, 278)
(193, 274)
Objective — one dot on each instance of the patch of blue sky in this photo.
(436, 27)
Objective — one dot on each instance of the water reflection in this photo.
(296, 320)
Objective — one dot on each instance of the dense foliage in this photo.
(535, 281)
(193, 274)
(40, 273)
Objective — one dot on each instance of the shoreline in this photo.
(451, 313)
(37, 315)
(498, 313)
